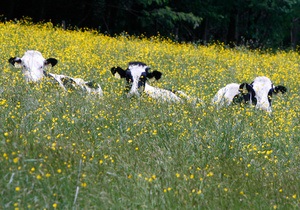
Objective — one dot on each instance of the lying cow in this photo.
(259, 93)
(33, 66)
(137, 75)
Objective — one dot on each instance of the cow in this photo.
(34, 66)
(258, 93)
(137, 75)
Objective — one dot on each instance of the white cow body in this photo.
(161, 94)
(225, 95)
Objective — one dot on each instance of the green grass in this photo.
(134, 154)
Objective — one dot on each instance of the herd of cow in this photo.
(258, 93)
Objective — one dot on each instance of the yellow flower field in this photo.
(66, 150)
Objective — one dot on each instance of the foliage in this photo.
(169, 19)
(63, 150)
(254, 23)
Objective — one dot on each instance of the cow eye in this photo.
(143, 76)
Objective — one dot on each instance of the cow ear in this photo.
(280, 88)
(118, 72)
(155, 74)
(15, 61)
(51, 61)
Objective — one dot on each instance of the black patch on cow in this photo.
(128, 76)
(137, 63)
(238, 99)
(280, 88)
(142, 79)
(248, 93)
(270, 93)
(118, 70)
(14, 60)
(51, 61)
(276, 90)
(156, 74)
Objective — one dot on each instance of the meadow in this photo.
(68, 150)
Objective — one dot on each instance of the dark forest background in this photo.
(253, 23)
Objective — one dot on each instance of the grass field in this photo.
(67, 150)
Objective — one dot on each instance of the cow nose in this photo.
(265, 107)
(133, 93)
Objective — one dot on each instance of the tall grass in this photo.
(67, 150)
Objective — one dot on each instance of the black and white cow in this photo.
(258, 93)
(137, 75)
(34, 66)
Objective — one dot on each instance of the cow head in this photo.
(260, 92)
(33, 64)
(136, 76)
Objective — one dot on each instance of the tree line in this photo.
(253, 23)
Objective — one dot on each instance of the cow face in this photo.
(261, 90)
(136, 76)
(33, 65)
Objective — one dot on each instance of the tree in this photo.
(256, 23)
